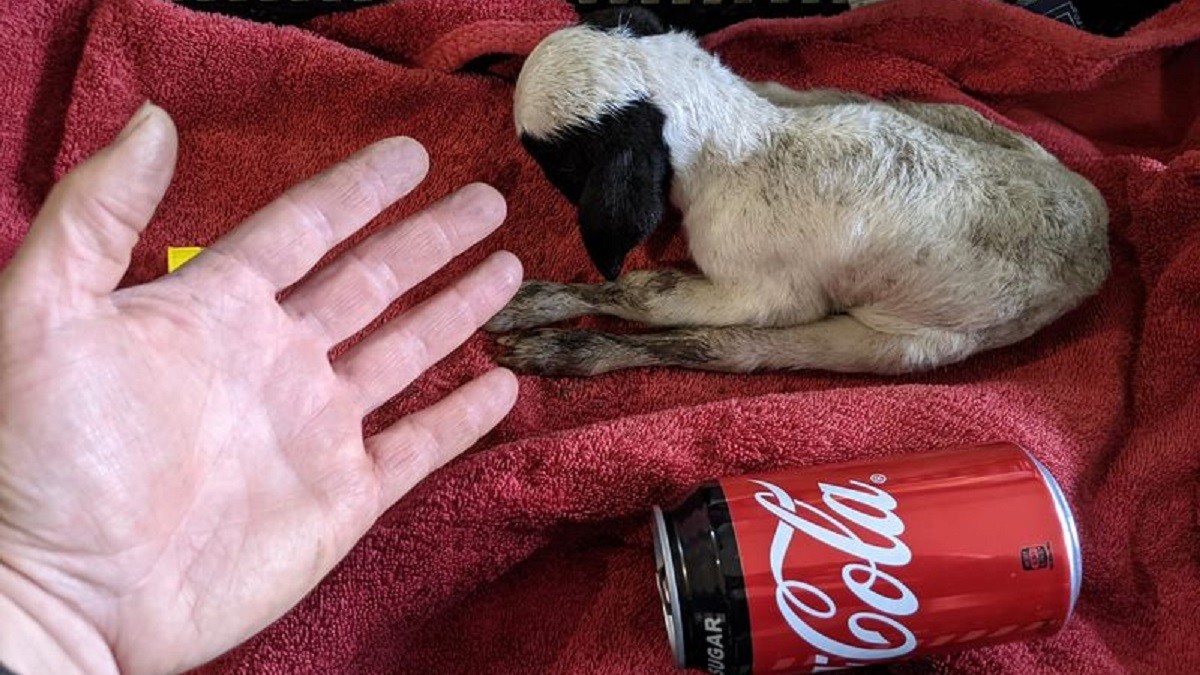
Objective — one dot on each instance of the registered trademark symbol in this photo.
(878, 478)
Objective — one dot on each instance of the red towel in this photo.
(532, 553)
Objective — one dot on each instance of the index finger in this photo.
(281, 242)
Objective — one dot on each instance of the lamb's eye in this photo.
(564, 161)
(568, 179)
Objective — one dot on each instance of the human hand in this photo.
(181, 461)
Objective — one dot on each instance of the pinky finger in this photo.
(417, 445)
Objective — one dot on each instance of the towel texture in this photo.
(531, 554)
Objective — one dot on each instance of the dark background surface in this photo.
(1104, 17)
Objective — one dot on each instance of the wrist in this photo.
(41, 634)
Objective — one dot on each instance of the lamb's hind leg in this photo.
(786, 97)
(950, 117)
(964, 121)
(653, 297)
(837, 343)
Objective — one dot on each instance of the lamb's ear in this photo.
(623, 201)
(639, 21)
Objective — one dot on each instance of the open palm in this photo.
(181, 461)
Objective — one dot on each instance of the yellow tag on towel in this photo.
(178, 255)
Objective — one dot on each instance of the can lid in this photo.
(668, 587)
(1070, 532)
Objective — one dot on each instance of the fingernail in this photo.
(481, 201)
(407, 157)
(514, 391)
(513, 386)
(510, 263)
(407, 151)
(409, 147)
(143, 113)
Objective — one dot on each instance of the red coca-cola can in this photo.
(867, 562)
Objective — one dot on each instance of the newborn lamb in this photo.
(831, 230)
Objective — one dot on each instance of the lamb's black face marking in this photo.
(617, 170)
(638, 20)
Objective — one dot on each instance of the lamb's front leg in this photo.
(653, 297)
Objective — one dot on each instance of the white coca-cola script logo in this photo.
(871, 510)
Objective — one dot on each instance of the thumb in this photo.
(79, 245)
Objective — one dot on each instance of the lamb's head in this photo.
(584, 112)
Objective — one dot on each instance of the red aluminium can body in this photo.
(830, 567)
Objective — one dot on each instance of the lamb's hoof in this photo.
(536, 304)
(557, 353)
